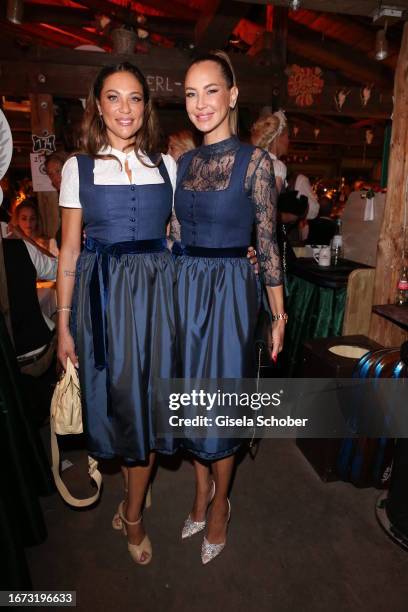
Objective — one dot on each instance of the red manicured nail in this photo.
(275, 358)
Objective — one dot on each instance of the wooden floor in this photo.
(294, 543)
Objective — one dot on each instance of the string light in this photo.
(295, 4)
(381, 44)
(15, 11)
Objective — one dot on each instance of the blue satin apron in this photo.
(217, 288)
(123, 318)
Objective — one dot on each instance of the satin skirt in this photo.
(141, 347)
(217, 306)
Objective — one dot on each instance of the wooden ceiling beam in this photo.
(280, 28)
(100, 40)
(38, 34)
(68, 73)
(217, 23)
(58, 15)
(173, 8)
(82, 18)
(59, 36)
(336, 56)
(349, 137)
(329, 121)
(270, 47)
(338, 27)
(346, 7)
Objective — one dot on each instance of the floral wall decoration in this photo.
(304, 83)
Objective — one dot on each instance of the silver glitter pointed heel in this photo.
(191, 527)
(210, 551)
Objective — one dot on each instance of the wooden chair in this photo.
(359, 301)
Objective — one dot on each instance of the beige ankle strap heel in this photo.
(137, 551)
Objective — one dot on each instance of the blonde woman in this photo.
(270, 132)
(224, 187)
(179, 143)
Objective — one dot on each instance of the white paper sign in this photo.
(41, 182)
(369, 210)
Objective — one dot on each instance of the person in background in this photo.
(302, 185)
(323, 228)
(270, 132)
(26, 223)
(291, 210)
(33, 333)
(53, 166)
(180, 142)
(5, 217)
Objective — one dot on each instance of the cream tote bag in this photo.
(66, 418)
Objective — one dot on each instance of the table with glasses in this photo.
(315, 303)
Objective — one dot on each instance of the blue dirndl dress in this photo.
(123, 319)
(217, 288)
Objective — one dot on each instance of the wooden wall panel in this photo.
(390, 243)
(42, 124)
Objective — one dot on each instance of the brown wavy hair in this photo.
(94, 136)
(30, 204)
(227, 69)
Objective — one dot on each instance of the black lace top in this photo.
(211, 169)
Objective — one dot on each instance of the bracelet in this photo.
(64, 309)
(281, 316)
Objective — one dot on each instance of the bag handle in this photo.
(70, 374)
(93, 472)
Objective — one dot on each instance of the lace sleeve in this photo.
(261, 185)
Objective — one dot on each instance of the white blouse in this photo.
(303, 187)
(109, 172)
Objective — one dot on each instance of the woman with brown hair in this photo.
(26, 223)
(224, 188)
(119, 290)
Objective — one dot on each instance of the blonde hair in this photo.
(222, 59)
(267, 128)
(183, 140)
